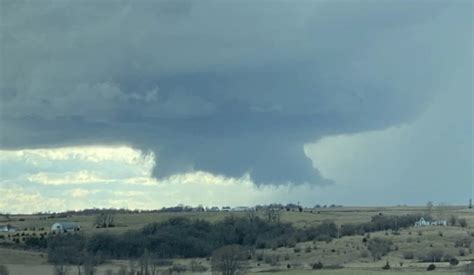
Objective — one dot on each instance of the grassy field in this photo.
(346, 255)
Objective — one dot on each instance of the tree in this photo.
(441, 211)
(229, 260)
(429, 208)
(453, 262)
(65, 249)
(462, 222)
(453, 220)
(273, 213)
(89, 264)
(148, 263)
(379, 247)
(105, 219)
(60, 269)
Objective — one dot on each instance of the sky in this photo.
(144, 104)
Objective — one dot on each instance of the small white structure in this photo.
(8, 228)
(423, 222)
(440, 223)
(64, 227)
(226, 209)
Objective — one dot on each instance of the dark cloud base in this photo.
(230, 92)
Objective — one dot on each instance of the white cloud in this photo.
(21, 200)
(56, 186)
(81, 193)
(80, 177)
(84, 153)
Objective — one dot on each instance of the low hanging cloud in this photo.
(69, 180)
(227, 88)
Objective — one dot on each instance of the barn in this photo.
(63, 227)
(8, 228)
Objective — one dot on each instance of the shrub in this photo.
(431, 267)
(453, 262)
(317, 265)
(452, 220)
(272, 259)
(434, 255)
(462, 222)
(195, 266)
(386, 266)
(463, 242)
(408, 255)
(230, 258)
(379, 247)
(162, 262)
(178, 268)
(462, 252)
(307, 249)
(364, 254)
(448, 257)
(297, 250)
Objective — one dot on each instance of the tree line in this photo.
(185, 238)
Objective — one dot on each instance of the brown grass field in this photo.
(345, 255)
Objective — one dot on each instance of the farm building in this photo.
(8, 228)
(63, 227)
(423, 222)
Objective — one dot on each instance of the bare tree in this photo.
(429, 208)
(105, 219)
(229, 260)
(89, 265)
(145, 264)
(453, 220)
(273, 214)
(441, 211)
(60, 268)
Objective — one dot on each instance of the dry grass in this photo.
(345, 252)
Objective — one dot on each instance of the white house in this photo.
(8, 228)
(63, 227)
(423, 222)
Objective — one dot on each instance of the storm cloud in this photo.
(230, 87)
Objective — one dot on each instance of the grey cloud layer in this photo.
(226, 87)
